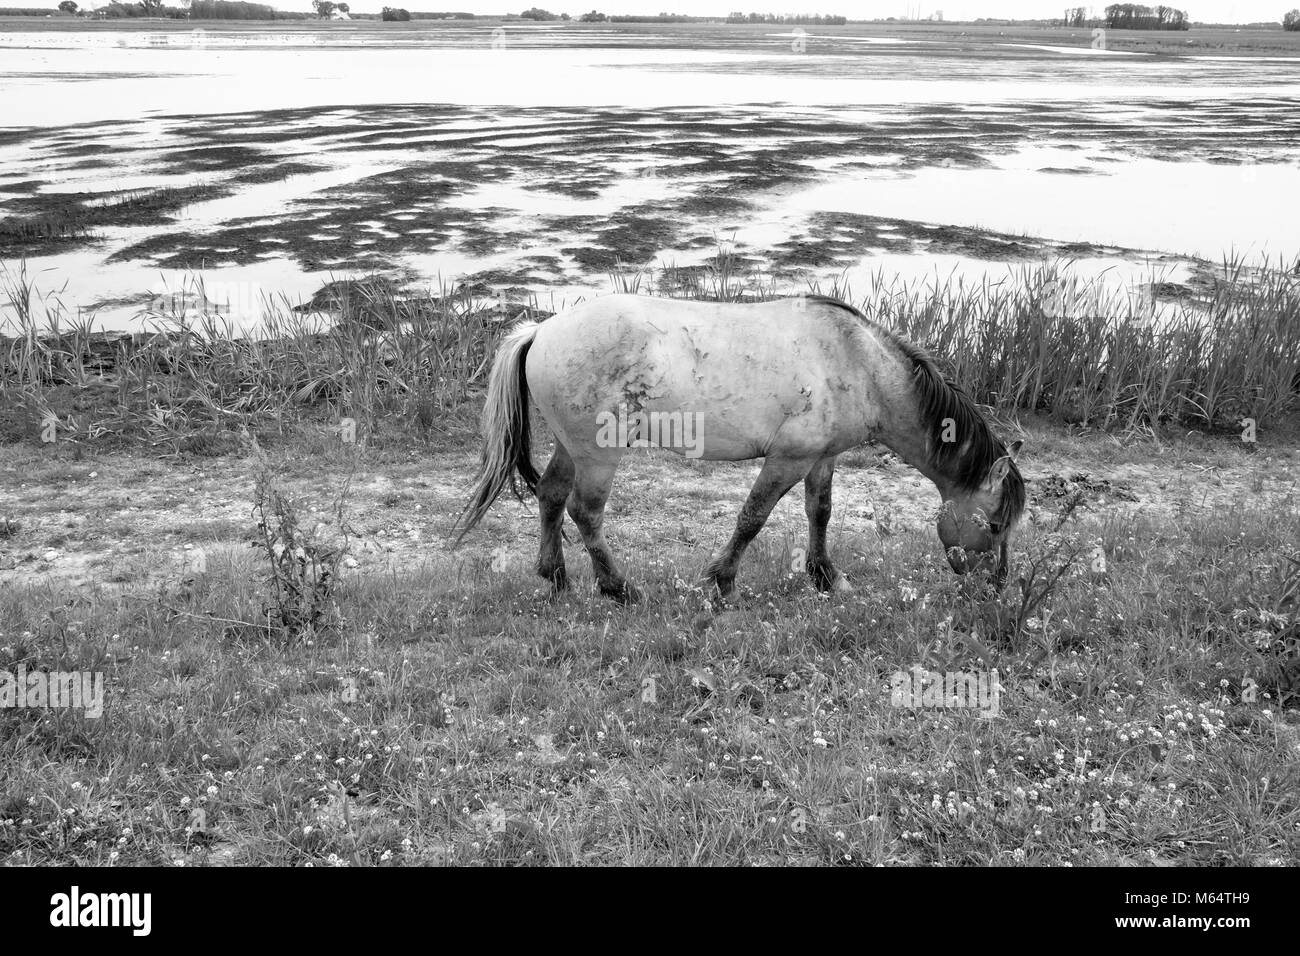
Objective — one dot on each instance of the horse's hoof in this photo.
(725, 588)
(559, 579)
(826, 579)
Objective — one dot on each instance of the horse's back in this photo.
(766, 334)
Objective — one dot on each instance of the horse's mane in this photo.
(939, 399)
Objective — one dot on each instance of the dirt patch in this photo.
(121, 519)
(1079, 485)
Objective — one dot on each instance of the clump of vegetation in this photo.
(1267, 629)
(302, 563)
(395, 363)
(64, 218)
(1048, 343)
(1136, 16)
(231, 10)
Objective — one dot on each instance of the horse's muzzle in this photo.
(993, 562)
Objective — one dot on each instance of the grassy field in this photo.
(249, 542)
(445, 709)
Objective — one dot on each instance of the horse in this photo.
(793, 381)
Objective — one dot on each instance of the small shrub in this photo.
(302, 564)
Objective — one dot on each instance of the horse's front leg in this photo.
(778, 476)
(592, 481)
(817, 505)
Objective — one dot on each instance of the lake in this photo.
(532, 162)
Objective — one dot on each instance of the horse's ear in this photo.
(999, 470)
(1014, 448)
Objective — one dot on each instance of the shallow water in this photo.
(1149, 159)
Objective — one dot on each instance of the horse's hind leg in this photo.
(778, 476)
(552, 492)
(817, 505)
(591, 485)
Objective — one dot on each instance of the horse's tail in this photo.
(507, 455)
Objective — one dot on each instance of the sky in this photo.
(1208, 11)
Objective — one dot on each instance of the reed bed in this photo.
(384, 362)
(1043, 342)
(1037, 341)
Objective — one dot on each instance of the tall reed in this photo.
(1038, 340)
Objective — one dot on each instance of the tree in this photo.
(1291, 21)
(1135, 16)
(395, 15)
(593, 17)
(344, 8)
(67, 6)
(323, 8)
(537, 13)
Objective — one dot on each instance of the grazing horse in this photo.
(793, 381)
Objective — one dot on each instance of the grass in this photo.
(274, 705)
(453, 713)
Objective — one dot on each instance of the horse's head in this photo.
(975, 525)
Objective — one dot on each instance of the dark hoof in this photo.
(828, 580)
(558, 577)
(726, 587)
(823, 576)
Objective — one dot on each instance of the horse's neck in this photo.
(901, 428)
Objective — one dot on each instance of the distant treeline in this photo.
(127, 11)
(402, 15)
(829, 19)
(197, 10)
(1134, 16)
(595, 16)
(659, 18)
(231, 10)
